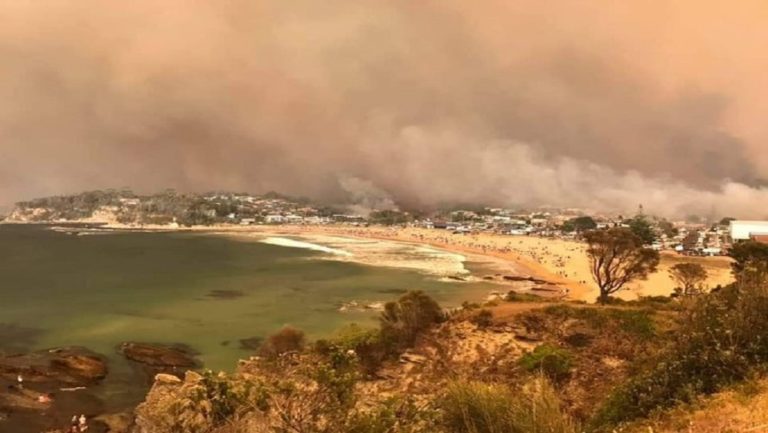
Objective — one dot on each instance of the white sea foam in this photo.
(292, 243)
(390, 253)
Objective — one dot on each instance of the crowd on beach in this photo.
(540, 252)
(563, 261)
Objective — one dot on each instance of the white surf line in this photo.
(292, 243)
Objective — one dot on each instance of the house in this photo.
(293, 219)
(274, 219)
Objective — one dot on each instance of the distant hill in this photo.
(126, 207)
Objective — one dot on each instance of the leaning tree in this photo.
(616, 257)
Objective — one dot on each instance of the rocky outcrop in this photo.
(162, 409)
(54, 383)
(159, 355)
(66, 366)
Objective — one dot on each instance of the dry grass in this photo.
(736, 410)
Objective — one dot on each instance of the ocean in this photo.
(63, 286)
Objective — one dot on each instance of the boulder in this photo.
(167, 379)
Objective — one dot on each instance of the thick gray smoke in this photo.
(557, 103)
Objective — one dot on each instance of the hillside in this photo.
(125, 207)
(481, 370)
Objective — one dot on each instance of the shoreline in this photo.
(561, 262)
(522, 266)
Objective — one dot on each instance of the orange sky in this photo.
(601, 104)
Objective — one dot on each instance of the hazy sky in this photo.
(581, 103)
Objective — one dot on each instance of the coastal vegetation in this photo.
(567, 368)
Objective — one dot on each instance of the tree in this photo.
(579, 224)
(690, 278)
(641, 227)
(616, 257)
(750, 261)
(403, 320)
(668, 228)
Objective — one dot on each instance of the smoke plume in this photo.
(566, 103)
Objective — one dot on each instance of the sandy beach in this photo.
(560, 261)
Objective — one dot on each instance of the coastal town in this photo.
(693, 235)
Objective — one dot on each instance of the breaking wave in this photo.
(292, 243)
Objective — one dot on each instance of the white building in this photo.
(744, 230)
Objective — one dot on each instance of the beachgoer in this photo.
(83, 423)
(20, 380)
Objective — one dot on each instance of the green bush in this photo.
(522, 297)
(476, 407)
(721, 338)
(550, 360)
(367, 345)
(403, 320)
(638, 322)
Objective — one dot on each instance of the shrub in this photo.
(721, 338)
(403, 320)
(394, 415)
(288, 339)
(483, 319)
(522, 297)
(550, 360)
(220, 398)
(469, 305)
(367, 345)
(476, 407)
(638, 322)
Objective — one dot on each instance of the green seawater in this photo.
(98, 290)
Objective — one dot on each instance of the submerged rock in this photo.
(528, 279)
(159, 355)
(252, 343)
(86, 366)
(225, 294)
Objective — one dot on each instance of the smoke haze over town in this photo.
(381, 104)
